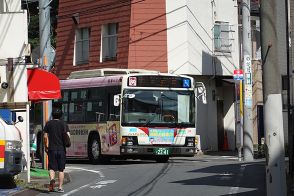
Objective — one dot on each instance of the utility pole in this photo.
(45, 46)
(289, 85)
(273, 44)
(247, 56)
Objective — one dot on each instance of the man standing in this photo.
(55, 147)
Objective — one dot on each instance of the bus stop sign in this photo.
(238, 74)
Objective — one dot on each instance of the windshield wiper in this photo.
(149, 120)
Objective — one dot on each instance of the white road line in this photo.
(223, 158)
(76, 190)
(234, 190)
(101, 175)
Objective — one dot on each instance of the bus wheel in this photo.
(162, 159)
(94, 152)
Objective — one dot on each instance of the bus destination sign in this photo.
(159, 81)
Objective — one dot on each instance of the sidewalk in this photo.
(39, 182)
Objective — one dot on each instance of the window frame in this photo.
(222, 37)
(105, 110)
(80, 40)
(108, 53)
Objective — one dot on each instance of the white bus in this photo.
(141, 115)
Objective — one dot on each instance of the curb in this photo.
(39, 185)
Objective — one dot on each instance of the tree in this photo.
(33, 18)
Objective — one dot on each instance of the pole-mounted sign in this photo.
(238, 74)
(248, 81)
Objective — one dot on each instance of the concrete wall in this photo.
(190, 37)
(13, 44)
(190, 43)
(229, 115)
(10, 5)
(206, 118)
(13, 34)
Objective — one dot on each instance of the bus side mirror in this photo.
(20, 119)
(116, 100)
(200, 92)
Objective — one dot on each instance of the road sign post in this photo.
(238, 77)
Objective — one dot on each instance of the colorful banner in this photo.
(161, 136)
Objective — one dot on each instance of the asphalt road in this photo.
(201, 175)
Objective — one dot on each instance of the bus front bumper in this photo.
(12, 163)
(150, 150)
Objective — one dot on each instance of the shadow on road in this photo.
(112, 162)
(7, 182)
(247, 176)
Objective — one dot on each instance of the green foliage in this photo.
(34, 23)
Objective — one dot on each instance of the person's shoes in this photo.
(60, 191)
(51, 185)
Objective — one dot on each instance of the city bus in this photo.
(137, 115)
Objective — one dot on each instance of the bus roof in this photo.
(115, 80)
(106, 72)
(91, 82)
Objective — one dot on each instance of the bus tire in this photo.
(94, 148)
(162, 159)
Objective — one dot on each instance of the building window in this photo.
(109, 42)
(82, 46)
(222, 37)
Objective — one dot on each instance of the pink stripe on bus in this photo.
(91, 82)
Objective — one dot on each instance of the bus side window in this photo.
(76, 112)
(114, 113)
(95, 111)
(65, 111)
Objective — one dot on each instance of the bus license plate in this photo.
(162, 151)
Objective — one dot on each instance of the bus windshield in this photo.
(158, 108)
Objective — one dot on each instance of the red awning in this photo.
(42, 85)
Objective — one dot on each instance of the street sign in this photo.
(238, 74)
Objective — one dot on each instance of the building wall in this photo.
(190, 46)
(92, 14)
(190, 37)
(13, 34)
(257, 98)
(229, 114)
(14, 44)
(148, 38)
(206, 120)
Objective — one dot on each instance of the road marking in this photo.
(101, 184)
(101, 175)
(76, 190)
(220, 158)
(98, 184)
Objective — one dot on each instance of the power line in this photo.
(100, 8)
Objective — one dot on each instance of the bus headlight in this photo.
(13, 145)
(129, 140)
